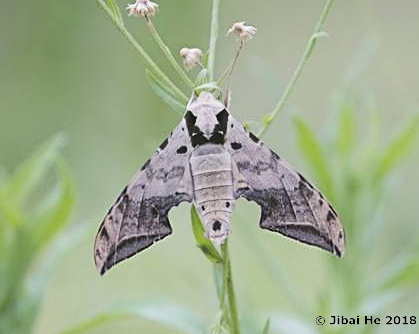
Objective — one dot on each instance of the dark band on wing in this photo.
(140, 226)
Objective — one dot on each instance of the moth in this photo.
(210, 159)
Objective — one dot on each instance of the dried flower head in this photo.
(191, 57)
(143, 8)
(243, 31)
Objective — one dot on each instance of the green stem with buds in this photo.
(146, 59)
(306, 55)
(213, 38)
(169, 54)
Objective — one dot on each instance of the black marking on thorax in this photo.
(197, 136)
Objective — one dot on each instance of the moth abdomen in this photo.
(213, 189)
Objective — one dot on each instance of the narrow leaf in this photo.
(314, 155)
(210, 86)
(398, 149)
(55, 212)
(164, 93)
(268, 118)
(115, 10)
(204, 59)
(403, 271)
(267, 326)
(29, 173)
(201, 78)
(218, 271)
(203, 243)
(287, 324)
(346, 128)
(38, 281)
(320, 34)
(377, 303)
(170, 315)
(10, 213)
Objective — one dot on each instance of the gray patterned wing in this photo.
(290, 204)
(139, 216)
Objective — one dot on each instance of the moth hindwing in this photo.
(210, 159)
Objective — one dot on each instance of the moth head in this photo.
(217, 230)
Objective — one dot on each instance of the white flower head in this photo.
(243, 31)
(142, 8)
(191, 57)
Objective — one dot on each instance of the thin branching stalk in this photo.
(233, 64)
(228, 71)
(146, 59)
(305, 57)
(213, 38)
(179, 70)
(225, 73)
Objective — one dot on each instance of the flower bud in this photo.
(191, 57)
(142, 8)
(243, 31)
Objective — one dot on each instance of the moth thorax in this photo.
(206, 121)
(213, 189)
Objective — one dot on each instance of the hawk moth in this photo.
(211, 160)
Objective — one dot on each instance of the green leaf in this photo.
(218, 271)
(219, 326)
(204, 59)
(203, 243)
(209, 86)
(55, 211)
(30, 173)
(268, 118)
(38, 281)
(370, 151)
(164, 93)
(201, 78)
(403, 271)
(346, 128)
(115, 10)
(10, 213)
(377, 303)
(168, 314)
(267, 326)
(287, 324)
(320, 34)
(398, 149)
(314, 155)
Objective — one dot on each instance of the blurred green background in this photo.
(65, 68)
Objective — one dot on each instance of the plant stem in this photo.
(306, 55)
(213, 38)
(233, 317)
(146, 59)
(168, 54)
(230, 68)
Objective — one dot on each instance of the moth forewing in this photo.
(139, 216)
